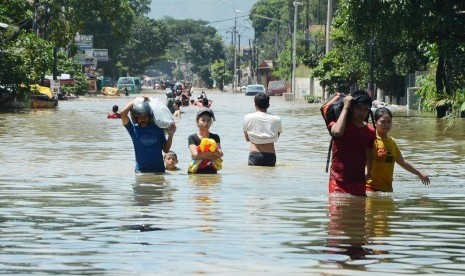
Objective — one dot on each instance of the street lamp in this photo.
(296, 4)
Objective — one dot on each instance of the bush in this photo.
(312, 99)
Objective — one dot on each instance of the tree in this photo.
(146, 45)
(271, 25)
(220, 74)
(194, 43)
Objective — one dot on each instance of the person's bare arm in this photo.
(125, 112)
(339, 127)
(408, 167)
(369, 163)
(246, 136)
(169, 141)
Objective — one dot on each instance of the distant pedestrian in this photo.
(170, 101)
(177, 109)
(206, 102)
(262, 130)
(114, 114)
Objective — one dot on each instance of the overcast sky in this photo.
(219, 12)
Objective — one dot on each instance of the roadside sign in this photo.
(84, 41)
(97, 54)
(100, 54)
(83, 59)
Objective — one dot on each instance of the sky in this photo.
(219, 12)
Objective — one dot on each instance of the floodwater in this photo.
(71, 204)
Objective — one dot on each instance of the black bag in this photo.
(330, 111)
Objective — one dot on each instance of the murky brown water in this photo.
(70, 203)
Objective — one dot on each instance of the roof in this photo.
(267, 63)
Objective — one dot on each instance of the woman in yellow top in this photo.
(386, 153)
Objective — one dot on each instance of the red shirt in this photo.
(349, 153)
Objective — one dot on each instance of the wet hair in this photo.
(115, 108)
(172, 153)
(205, 102)
(262, 100)
(178, 102)
(381, 111)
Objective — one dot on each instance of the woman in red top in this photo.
(353, 140)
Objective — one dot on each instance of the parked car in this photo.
(253, 89)
(276, 88)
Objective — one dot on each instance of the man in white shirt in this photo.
(262, 130)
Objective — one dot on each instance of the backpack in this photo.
(330, 111)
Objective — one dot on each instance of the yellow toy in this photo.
(206, 144)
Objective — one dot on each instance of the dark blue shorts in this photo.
(267, 159)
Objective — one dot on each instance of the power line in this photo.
(209, 22)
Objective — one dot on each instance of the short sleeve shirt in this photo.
(349, 153)
(195, 140)
(385, 153)
(262, 127)
(148, 144)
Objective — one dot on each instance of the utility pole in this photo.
(371, 86)
(307, 24)
(235, 53)
(251, 56)
(295, 3)
(329, 19)
(239, 76)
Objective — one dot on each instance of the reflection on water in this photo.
(151, 188)
(346, 227)
(71, 204)
(205, 187)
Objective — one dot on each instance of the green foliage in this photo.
(177, 74)
(283, 70)
(332, 73)
(457, 104)
(312, 99)
(146, 44)
(196, 43)
(69, 66)
(220, 73)
(36, 55)
(263, 27)
(427, 92)
(431, 98)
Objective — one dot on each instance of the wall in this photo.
(307, 86)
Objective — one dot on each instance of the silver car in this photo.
(253, 89)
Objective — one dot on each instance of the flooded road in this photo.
(71, 204)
